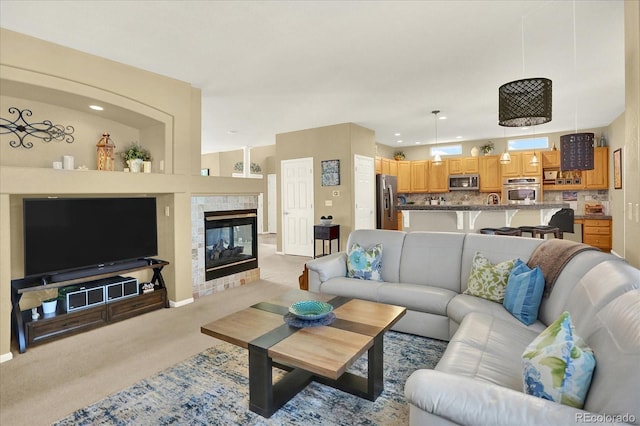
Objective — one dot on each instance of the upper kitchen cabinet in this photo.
(419, 170)
(463, 165)
(520, 165)
(438, 177)
(378, 165)
(490, 173)
(550, 159)
(393, 168)
(386, 166)
(404, 176)
(598, 178)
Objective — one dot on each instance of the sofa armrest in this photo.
(466, 401)
(327, 267)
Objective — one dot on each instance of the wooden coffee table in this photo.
(320, 354)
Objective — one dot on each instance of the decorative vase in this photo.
(474, 151)
(135, 165)
(146, 166)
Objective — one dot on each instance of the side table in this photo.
(325, 233)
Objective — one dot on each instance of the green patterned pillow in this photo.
(558, 365)
(488, 281)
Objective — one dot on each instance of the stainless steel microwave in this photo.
(469, 182)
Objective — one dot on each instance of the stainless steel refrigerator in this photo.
(386, 193)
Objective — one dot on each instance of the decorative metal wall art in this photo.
(45, 130)
(105, 160)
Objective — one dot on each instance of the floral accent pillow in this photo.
(558, 365)
(486, 280)
(365, 264)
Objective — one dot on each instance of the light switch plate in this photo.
(328, 203)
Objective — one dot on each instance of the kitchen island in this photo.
(472, 217)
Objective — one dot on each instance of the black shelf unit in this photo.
(61, 324)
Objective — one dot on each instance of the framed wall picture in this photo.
(617, 168)
(330, 172)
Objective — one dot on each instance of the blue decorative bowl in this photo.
(310, 309)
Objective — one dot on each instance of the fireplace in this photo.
(231, 242)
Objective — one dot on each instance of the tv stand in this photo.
(29, 332)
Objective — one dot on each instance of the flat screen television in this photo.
(72, 234)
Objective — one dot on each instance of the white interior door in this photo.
(364, 192)
(272, 210)
(297, 206)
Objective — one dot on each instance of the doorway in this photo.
(364, 193)
(297, 206)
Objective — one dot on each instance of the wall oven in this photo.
(522, 190)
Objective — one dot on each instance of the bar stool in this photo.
(560, 222)
(542, 230)
(505, 230)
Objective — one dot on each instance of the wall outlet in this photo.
(328, 203)
(167, 211)
(588, 198)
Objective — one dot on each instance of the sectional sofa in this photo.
(479, 380)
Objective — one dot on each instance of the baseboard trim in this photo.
(184, 302)
(6, 357)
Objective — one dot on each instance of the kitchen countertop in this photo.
(476, 207)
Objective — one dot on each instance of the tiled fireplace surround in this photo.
(200, 205)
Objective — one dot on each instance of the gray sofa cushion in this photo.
(432, 258)
(392, 242)
(488, 349)
(352, 287)
(420, 298)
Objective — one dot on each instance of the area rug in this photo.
(212, 388)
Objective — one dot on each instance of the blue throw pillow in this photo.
(524, 292)
(365, 264)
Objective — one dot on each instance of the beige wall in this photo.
(337, 142)
(164, 113)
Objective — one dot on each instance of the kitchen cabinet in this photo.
(520, 165)
(550, 159)
(404, 176)
(393, 168)
(463, 165)
(598, 178)
(419, 171)
(597, 233)
(378, 165)
(489, 167)
(385, 166)
(438, 177)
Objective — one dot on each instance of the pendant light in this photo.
(580, 143)
(505, 158)
(525, 102)
(437, 160)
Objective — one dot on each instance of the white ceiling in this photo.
(270, 67)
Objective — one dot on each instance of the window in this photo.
(446, 150)
(528, 144)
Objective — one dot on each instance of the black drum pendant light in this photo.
(525, 102)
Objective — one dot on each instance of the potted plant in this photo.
(134, 155)
(49, 306)
(254, 167)
(398, 156)
(487, 148)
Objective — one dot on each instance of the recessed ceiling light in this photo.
(417, 143)
(96, 107)
(458, 137)
(400, 141)
(396, 134)
(232, 132)
(442, 117)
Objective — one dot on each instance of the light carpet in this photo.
(212, 388)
